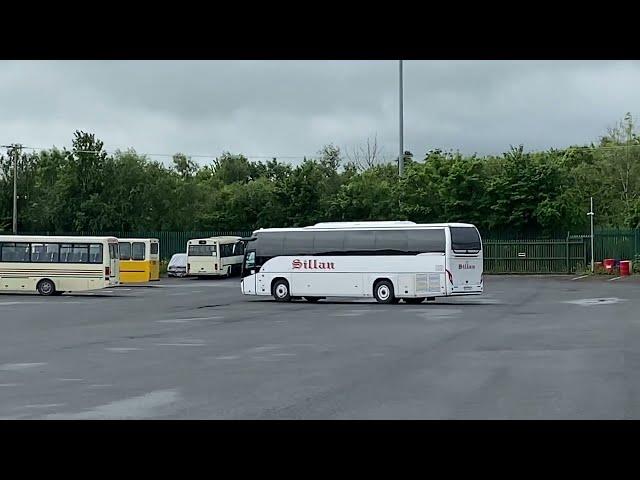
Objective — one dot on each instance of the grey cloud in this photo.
(266, 108)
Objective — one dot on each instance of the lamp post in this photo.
(591, 214)
(401, 132)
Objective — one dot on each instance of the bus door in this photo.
(114, 262)
(249, 271)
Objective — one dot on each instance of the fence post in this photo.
(568, 267)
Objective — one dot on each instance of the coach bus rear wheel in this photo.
(383, 291)
(280, 291)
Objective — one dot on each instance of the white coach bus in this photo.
(54, 265)
(214, 256)
(388, 261)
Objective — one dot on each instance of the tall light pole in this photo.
(591, 214)
(14, 151)
(401, 133)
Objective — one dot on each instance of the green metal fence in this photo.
(532, 254)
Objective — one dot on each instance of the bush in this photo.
(164, 264)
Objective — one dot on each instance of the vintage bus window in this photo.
(15, 252)
(202, 250)
(154, 248)
(95, 253)
(125, 251)
(137, 251)
(44, 252)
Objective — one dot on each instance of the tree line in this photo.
(86, 189)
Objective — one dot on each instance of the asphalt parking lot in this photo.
(529, 348)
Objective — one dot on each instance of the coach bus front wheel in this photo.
(280, 291)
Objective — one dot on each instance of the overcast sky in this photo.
(293, 108)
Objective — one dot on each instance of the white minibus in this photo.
(214, 256)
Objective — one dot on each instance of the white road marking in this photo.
(284, 354)
(612, 279)
(70, 379)
(578, 278)
(6, 304)
(20, 366)
(192, 319)
(225, 285)
(180, 344)
(101, 385)
(10, 384)
(438, 313)
(44, 405)
(228, 357)
(142, 406)
(122, 349)
(265, 348)
(588, 302)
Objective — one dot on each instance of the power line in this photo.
(169, 155)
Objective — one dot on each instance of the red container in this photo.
(625, 267)
(609, 263)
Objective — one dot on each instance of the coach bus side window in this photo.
(269, 245)
(328, 243)
(359, 242)
(391, 242)
(298, 243)
(426, 241)
(154, 248)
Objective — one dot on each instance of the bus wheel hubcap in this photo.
(383, 292)
(46, 287)
(281, 291)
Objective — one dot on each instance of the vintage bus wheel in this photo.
(414, 301)
(383, 291)
(280, 291)
(46, 287)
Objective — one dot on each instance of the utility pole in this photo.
(591, 214)
(401, 155)
(15, 150)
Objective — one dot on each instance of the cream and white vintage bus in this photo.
(214, 256)
(52, 265)
(387, 261)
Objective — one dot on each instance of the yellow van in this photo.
(139, 260)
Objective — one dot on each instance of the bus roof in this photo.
(216, 239)
(366, 226)
(139, 239)
(55, 238)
